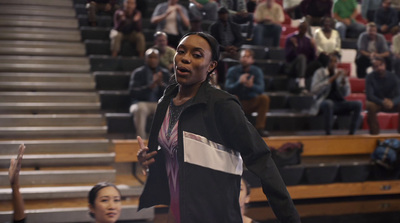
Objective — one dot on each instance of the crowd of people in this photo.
(309, 51)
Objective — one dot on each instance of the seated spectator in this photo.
(171, 18)
(327, 39)
(368, 9)
(331, 85)
(244, 200)
(268, 16)
(370, 44)
(105, 202)
(167, 53)
(315, 10)
(200, 10)
(127, 26)
(396, 55)
(246, 81)
(13, 176)
(386, 18)
(292, 8)
(383, 94)
(96, 6)
(146, 86)
(228, 35)
(300, 53)
(239, 14)
(345, 12)
(251, 5)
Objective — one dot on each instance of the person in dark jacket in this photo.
(383, 94)
(386, 18)
(96, 6)
(198, 142)
(228, 35)
(146, 87)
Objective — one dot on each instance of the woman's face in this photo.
(192, 61)
(107, 205)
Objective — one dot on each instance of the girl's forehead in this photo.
(195, 41)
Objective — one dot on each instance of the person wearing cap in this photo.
(146, 86)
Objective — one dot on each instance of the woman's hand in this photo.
(15, 167)
(145, 159)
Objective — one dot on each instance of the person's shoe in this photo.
(263, 133)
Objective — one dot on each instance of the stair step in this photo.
(41, 48)
(38, 22)
(56, 146)
(58, 3)
(73, 131)
(46, 77)
(52, 120)
(79, 214)
(49, 97)
(44, 64)
(41, 177)
(46, 160)
(44, 34)
(38, 107)
(46, 86)
(30, 193)
(37, 10)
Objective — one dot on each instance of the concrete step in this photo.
(71, 176)
(46, 77)
(56, 146)
(46, 86)
(30, 193)
(49, 97)
(69, 131)
(52, 120)
(58, 3)
(47, 160)
(44, 64)
(41, 48)
(129, 213)
(37, 10)
(38, 22)
(39, 34)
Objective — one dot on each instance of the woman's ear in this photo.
(213, 65)
(91, 209)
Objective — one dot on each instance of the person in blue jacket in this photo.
(198, 143)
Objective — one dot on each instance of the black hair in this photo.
(247, 187)
(95, 190)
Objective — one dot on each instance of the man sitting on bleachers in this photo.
(371, 44)
(246, 81)
(386, 18)
(269, 16)
(383, 94)
(200, 10)
(167, 53)
(331, 85)
(239, 13)
(345, 13)
(300, 52)
(146, 86)
(127, 25)
(95, 6)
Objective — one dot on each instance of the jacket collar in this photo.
(201, 96)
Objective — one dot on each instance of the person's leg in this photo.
(353, 107)
(362, 63)
(341, 28)
(138, 39)
(355, 28)
(276, 32)
(372, 110)
(259, 104)
(258, 34)
(116, 39)
(141, 111)
(326, 109)
(396, 65)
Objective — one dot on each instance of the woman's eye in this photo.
(197, 55)
(180, 51)
(117, 200)
(104, 200)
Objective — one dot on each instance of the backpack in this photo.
(288, 154)
(386, 153)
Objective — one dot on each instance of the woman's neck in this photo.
(185, 93)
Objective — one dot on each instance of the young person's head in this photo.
(327, 23)
(333, 61)
(372, 30)
(379, 65)
(386, 4)
(105, 202)
(196, 58)
(303, 28)
(152, 57)
(246, 57)
(244, 196)
(223, 14)
(160, 40)
(129, 5)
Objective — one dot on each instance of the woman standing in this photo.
(198, 142)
